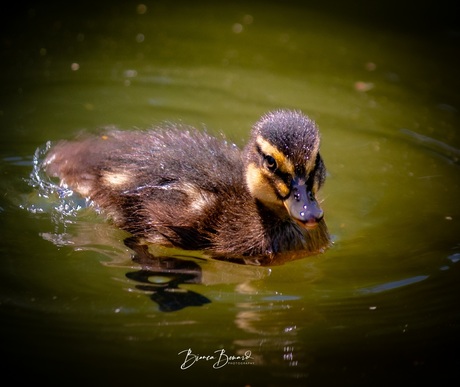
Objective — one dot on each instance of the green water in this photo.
(380, 307)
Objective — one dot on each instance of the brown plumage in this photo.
(177, 186)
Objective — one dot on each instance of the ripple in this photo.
(454, 258)
(447, 151)
(393, 285)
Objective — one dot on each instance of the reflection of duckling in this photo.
(180, 187)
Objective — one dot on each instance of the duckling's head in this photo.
(284, 169)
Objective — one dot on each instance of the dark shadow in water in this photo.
(162, 276)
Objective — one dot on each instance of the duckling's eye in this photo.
(270, 163)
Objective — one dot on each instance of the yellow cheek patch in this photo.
(284, 164)
(282, 188)
(258, 185)
(258, 182)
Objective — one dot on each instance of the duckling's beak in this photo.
(302, 205)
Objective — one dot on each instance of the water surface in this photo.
(381, 306)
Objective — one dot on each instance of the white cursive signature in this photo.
(220, 359)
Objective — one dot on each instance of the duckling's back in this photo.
(166, 185)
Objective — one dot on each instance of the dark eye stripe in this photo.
(286, 177)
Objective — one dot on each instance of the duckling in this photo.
(180, 187)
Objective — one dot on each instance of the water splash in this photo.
(49, 196)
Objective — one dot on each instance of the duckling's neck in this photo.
(271, 213)
(277, 226)
(285, 235)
